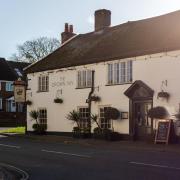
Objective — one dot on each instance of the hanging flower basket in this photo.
(112, 113)
(95, 98)
(163, 94)
(58, 100)
(28, 102)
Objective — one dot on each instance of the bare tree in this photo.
(35, 50)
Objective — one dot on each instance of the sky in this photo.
(22, 20)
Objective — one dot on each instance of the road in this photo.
(58, 161)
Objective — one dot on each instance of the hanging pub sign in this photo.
(163, 131)
(19, 91)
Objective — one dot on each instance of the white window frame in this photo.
(43, 83)
(107, 124)
(84, 78)
(83, 122)
(119, 73)
(42, 117)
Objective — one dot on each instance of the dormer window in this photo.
(84, 78)
(120, 73)
(43, 83)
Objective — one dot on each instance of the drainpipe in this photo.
(90, 101)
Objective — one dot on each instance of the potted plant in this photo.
(95, 98)
(58, 100)
(112, 113)
(163, 94)
(85, 133)
(98, 133)
(111, 135)
(74, 116)
(76, 132)
(38, 128)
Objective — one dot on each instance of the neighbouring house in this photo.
(136, 66)
(11, 113)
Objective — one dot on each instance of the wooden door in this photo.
(143, 123)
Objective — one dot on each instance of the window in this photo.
(9, 86)
(84, 115)
(10, 105)
(84, 78)
(0, 103)
(43, 116)
(104, 122)
(43, 83)
(120, 73)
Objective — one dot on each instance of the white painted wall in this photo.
(152, 70)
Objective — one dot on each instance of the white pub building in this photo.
(131, 63)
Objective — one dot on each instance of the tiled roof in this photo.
(135, 38)
(7, 69)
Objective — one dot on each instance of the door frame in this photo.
(137, 92)
(132, 123)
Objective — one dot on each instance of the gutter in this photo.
(90, 101)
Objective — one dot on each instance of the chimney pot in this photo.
(66, 29)
(102, 19)
(67, 34)
(71, 28)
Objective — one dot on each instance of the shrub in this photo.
(158, 112)
(39, 128)
(112, 113)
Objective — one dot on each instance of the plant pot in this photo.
(163, 94)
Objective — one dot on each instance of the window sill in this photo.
(41, 91)
(118, 84)
(83, 87)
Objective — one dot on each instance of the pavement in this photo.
(65, 158)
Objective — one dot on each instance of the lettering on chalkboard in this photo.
(163, 131)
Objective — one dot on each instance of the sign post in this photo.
(163, 131)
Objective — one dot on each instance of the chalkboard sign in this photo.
(163, 131)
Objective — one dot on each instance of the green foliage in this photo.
(34, 114)
(39, 128)
(28, 102)
(94, 119)
(74, 116)
(18, 130)
(58, 100)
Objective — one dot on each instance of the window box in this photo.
(28, 102)
(95, 98)
(163, 94)
(58, 100)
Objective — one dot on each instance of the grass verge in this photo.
(19, 130)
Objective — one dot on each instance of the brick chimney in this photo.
(68, 33)
(102, 19)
